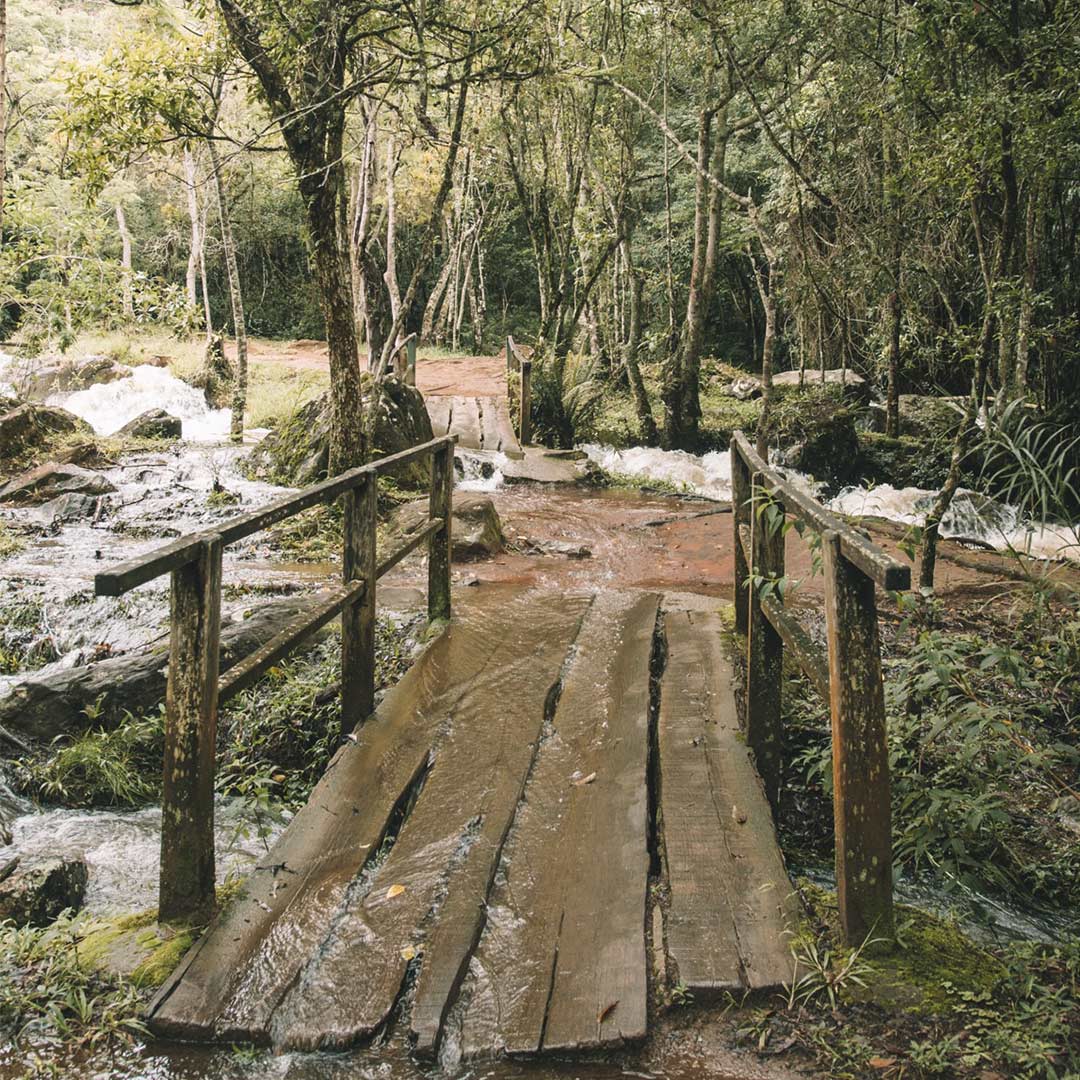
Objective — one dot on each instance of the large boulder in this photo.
(46, 375)
(47, 481)
(153, 424)
(69, 507)
(56, 703)
(298, 452)
(35, 890)
(476, 531)
(850, 384)
(30, 427)
(821, 441)
(927, 417)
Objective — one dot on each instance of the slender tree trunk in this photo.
(767, 292)
(125, 264)
(3, 113)
(236, 297)
(390, 276)
(633, 343)
(204, 216)
(1032, 239)
(196, 234)
(892, 397)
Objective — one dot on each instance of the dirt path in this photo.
(471, 376)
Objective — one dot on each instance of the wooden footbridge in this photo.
(484, 423)
(553, 815)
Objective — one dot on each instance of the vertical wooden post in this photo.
(861, 797)
(740, 515)
(509, 356)
(186, 883)
(410, 353)
(526, 402)
(765, 650)
(441, 506)
(358, 619)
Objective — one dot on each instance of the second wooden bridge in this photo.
(553, 814)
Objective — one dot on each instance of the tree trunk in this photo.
(191, 281)
(390, 276)
(633, 343)
(1032, 238)
(207, 315)
(236, 298)
(125, 264)
(892, 398)
(3, 113)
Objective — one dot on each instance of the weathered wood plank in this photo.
(861, 802)
(358, 563)
(440, 542)
(124, 576)
(233, 978)
(700, 921)
(465, 423)
(408, 546)
(731, 866)
(187, 796)
(447, 850)
(807, 652)
(881, 567)
(439, 409)
(565, 922)
(306, 623)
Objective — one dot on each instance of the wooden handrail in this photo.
(516, 360)
(847, 674)
(194, 689)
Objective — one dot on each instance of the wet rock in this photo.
(47, 481)
(928, 417)
(476, 532)
(834, 376)
(744, 389)
(554, 547)
(153, 424)
(52, 704)
(824, 443)
(298, 452)
(46, 375)
(94, 370)
(69, 507)
(36, 890)
(30, 427)
(154, 361)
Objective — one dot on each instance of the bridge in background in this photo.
(555, 811)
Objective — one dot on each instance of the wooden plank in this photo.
(499, 430)
(408, 546)
(700, 920)
(466, 422)
(124, 576)
(881, 567)
(807, 652)
(233, 979)
(565, 922)
(765, 648)
(242, 675)
(740, 524)
(525, 427)
(187, 797)
(439, 409)
(358, 563)
(448, 848)
(440, 541)
(862, 810)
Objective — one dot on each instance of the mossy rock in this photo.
(136, 948)
(298, 452)
(817, 434)
(933, 961)
(925, 416)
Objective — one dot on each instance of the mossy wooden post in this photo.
(358, 619)
(861, 799)
(740, 515)
(765, 649)
(509, 356)
(525, 435)
(410, 367)
(186, 884)
(442, 489)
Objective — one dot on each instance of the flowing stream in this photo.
(559, 536)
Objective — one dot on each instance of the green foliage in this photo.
(50, 998)
(116, 767)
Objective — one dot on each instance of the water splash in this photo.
(708, 476)
(480, 471)
(107, 407)
(122, 848)
(971, 516)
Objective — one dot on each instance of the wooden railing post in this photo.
(740, 516)
(186, 884)
(860, 751)
(441, 506)
(765, 649)
(525, 436)
(509, 356)
(358, 619)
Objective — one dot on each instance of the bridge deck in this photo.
(479, 860)
(480, 423)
